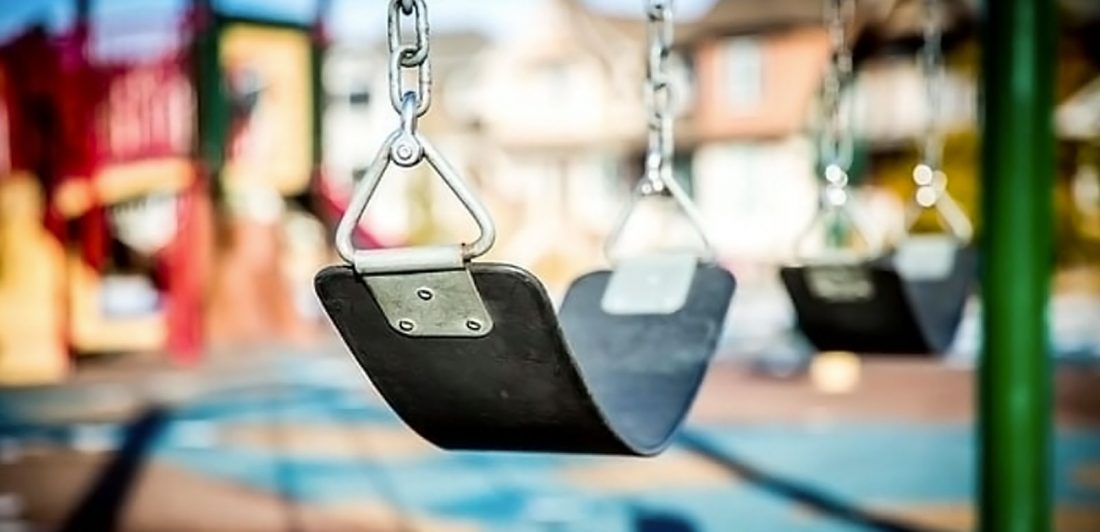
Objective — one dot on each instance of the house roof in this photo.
(731, 17)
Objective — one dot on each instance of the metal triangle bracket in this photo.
(419, 258)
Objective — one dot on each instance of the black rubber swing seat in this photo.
(872, 308)
(592, 383)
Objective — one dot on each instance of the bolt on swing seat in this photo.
(907, 301)
(471, 355)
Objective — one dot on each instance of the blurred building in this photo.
(561, 108)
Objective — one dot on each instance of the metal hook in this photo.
(406, 147)
(407, 150)
(836, 202)
(412, 259)
(930, 180)
(658, 178)
(644, 189)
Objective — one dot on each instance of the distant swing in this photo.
(911, 299)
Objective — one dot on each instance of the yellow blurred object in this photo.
(1084, 191)
(32, 348)
(120, 182)
(960, 165)
(835, 372)
(268, 70)
(93, 332)
(1083, 279)
(74, 197)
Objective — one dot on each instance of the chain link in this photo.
(408, 56)
(659, 102)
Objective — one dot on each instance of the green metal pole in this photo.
(1017, 180)
(213, 102)
(318, 49)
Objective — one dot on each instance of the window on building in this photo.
(359, 97)
(743, 65)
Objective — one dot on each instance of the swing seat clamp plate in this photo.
(432, 304)
(650, 284)
(840, 283)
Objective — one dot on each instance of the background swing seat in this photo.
(873, 308)
(595, 383)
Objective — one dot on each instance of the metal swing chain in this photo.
(930, 180)
(934, 74)
(835, 141)
(658, 179)
(658, 163)
(928, 177)
(409, 57)
(836, 137)
(406, 147)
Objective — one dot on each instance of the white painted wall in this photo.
(756, 197)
